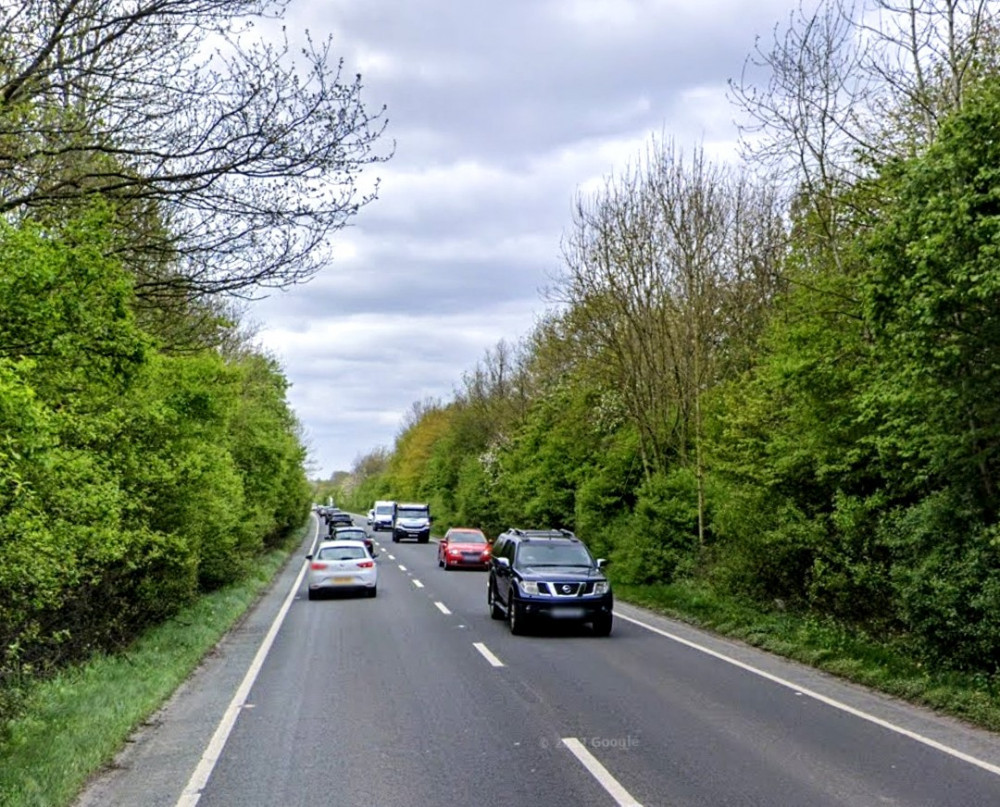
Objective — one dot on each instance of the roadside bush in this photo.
(764, 548)
(946, 580)
(663, 532)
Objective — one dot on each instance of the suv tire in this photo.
(602, 625)
(515, 618)
(496, 612)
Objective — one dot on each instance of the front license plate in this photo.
(568, 613)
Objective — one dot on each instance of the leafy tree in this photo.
(233, 160)
(934, 304)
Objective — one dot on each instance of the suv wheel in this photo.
(602, 625)
(515, 619)
(496, 612)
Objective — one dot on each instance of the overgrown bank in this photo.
(73, 723)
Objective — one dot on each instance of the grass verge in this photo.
(75, 723)
(881, 663)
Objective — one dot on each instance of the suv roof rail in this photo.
(542, 533)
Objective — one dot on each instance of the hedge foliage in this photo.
(131, 477)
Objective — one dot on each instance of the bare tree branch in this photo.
(232, 161)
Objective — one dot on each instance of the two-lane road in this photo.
(417, 697)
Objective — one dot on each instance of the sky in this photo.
(503, 112)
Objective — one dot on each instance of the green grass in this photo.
(882, 663)
(72, 725)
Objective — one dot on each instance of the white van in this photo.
(384, 515)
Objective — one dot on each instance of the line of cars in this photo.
(533, 575)
(345, 560)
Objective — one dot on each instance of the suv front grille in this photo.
(562, 589)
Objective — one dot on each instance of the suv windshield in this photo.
(555, 554)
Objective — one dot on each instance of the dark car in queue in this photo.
(338, 518)
(353, 534)
(547, 574)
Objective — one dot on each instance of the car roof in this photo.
(540, 535)
(342, 542)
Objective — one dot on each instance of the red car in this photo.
(464, 547)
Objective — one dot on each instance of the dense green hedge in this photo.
(131, 479)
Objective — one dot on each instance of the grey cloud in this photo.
(501, 111)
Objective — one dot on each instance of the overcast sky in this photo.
(502, 112)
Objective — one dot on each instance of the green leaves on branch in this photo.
(129, 479)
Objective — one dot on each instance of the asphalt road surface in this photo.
(417, 697)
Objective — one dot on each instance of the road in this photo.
(417, 697)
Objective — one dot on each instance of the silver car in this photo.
(342, 566)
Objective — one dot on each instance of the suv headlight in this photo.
(601, 587)
(529, 587)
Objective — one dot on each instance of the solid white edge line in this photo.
(487, 654)
(199, 779)
(621, 796)
(878, 721)
(418, 584)
(442, 608)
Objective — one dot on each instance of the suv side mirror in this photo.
(503, 563)
(602, 562)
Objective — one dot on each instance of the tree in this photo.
(851, 86)
(668, 274)
(231, 162)
(932, 299)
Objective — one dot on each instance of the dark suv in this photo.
(547, 574)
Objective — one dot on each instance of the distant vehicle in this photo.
(412, 521)
(383, 516)
(547, 574)
(342, 566)
(338, 518)
(371, 517)
(354, 534)
(464, 547)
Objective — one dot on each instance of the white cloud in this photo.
(501, 114)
